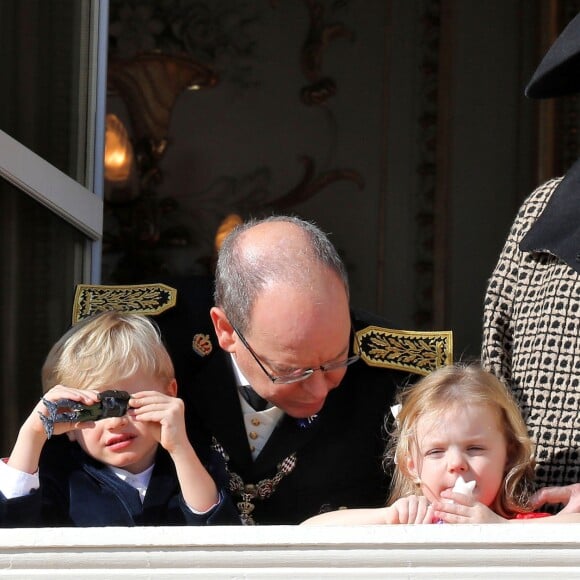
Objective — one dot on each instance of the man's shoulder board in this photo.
(148, 299)
(412, 351)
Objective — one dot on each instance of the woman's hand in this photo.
(569, 495)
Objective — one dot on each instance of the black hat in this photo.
(559, 72)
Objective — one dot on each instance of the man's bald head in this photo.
(279, 251)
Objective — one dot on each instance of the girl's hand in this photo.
(414, 509)
(165, 416)
(464, 510)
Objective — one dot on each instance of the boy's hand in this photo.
(413, 509)
(464, 510)
(34, 425)
(32, 435)
(164, 414)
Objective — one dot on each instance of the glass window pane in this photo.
(44, 62)
(41, 259)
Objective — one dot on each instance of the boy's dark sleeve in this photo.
(21, 512)
(224, 513)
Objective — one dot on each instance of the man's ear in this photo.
(223, 329)
(72, 435)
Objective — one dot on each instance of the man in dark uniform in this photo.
(272, 375)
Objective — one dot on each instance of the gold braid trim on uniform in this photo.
(405, 350)
(148, 299)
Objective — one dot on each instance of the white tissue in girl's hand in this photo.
(464, 487)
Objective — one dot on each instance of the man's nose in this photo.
(319, 383)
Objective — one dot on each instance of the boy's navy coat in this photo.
(75, 490)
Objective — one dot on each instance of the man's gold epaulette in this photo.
(148, 299)
(405, 350)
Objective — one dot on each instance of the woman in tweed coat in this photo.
(532, 306)
(532, 324)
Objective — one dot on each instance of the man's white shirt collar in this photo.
(259, 424)
(239, 375)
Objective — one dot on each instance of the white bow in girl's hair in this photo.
(395, 410)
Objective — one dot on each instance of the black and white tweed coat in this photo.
(532, 323)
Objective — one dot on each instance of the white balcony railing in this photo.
(494, 551)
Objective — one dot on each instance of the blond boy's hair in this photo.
(105, 348)
(462, 385)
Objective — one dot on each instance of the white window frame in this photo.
(51, 187)
(78, 204)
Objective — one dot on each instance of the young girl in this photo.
(457, 422)
(136, 469)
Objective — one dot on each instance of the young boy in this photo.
(137, 469)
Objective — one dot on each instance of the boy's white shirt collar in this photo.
(140, 481)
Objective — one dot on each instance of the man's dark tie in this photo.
(254, 400)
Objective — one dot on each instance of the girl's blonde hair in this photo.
(463, 384)
(105, 348)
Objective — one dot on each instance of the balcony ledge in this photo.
(529, 550)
